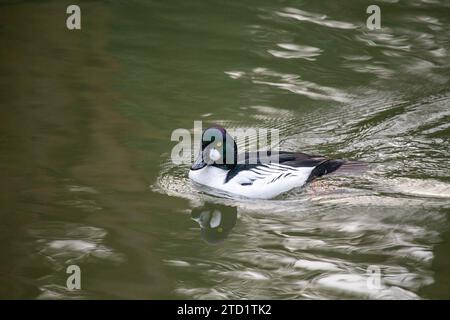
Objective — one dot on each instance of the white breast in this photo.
(262, 182)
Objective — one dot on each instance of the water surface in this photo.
(85, 126)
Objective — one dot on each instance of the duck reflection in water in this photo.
(216, 221)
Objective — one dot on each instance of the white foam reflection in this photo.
(69, 244)
(320, 19)
(294, 51)
(295, 84)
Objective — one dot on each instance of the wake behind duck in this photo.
(251, 175)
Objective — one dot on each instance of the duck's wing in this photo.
(247, 174)
(298, 159)
(256, 166)
(261, 165)
(294, 159)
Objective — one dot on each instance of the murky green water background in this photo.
(85, 172)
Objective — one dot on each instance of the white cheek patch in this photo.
(215, 219)
(214, 155)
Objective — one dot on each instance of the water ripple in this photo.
(320, 19)
(294, 84)
(294, 51)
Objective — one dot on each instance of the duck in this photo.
(215, 220)
(256, 175)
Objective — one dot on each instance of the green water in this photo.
(85, 171)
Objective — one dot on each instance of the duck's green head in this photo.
(218, 148)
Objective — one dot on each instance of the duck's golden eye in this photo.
(219, 144)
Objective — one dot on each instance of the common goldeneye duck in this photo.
(216, 221)
(256, 176)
